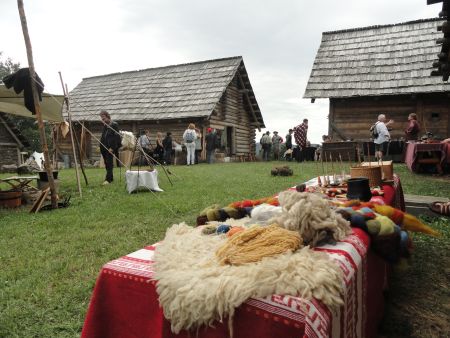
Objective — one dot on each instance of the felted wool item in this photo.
(209, 230)
(312, 217)
(387, 227)
(406, 221)
(234, 231)
(257, 242)
(373, 226)
(194, 289)
(263, 212)
(223, 229)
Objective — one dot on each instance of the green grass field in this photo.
(49, 261)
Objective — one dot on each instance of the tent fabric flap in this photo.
(12, 103)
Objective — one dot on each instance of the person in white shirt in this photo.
(189, 137)
(382, 141)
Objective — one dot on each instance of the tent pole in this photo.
(47, 164)
(66, 99)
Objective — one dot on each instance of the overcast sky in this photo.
(278, 40)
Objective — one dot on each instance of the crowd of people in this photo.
(272, 144)
(161, 149)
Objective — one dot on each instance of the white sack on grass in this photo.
(143, 178)
(195, 290)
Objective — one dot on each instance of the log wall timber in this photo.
(354, 116)
(237, 116)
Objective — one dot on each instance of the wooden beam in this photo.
(249, 103)
(37, 107)
(8, 144)
(11, 132)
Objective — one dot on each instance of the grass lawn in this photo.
(49, 261)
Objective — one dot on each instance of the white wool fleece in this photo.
(194, 289)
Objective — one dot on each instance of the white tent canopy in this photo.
(12, 103)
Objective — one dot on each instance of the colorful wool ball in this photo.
(387, 226)
(234, 230)
(358, 221)
(223, 229)
(373, 226)
(209, 230)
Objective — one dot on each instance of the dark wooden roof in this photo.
(377, 60)
(174, 92)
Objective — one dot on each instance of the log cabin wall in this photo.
(231, 111)
(354, 116)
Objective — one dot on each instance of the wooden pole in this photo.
(71, 131)
(37, 107)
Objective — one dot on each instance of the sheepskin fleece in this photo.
(194, 289)
(312, 216)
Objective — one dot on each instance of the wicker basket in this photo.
(387, 168)
(373, 173)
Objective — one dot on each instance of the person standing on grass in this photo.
(266, 143)
(413, 130)
(276, 143)
(301, 133)
(198, 144)
(109, 144)
(289, 145)
(189, 137)
(167, 145)
(383, 138)
(159, 149)
(211, 143)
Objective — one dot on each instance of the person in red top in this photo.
(300, 133)
(413, 130)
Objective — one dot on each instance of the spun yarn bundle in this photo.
(312, 216)
(257, 242)
(405, 220)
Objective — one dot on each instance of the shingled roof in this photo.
(377, 60)
(181, 91)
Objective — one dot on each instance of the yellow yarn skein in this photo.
(257, 242)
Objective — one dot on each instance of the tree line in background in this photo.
(27, 126)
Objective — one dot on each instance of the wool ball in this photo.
(234, 230)
(209, 230)
(358, 221)
(373, 226)
(387, 226)
(223, 229)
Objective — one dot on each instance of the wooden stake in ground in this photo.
(71, 131)
(37, 107)
(319, 181)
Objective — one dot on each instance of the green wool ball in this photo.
(373, 226)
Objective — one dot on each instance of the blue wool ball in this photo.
(397, 229)
(248, 210)
(358, 221)
(223, 229)
(404, 239)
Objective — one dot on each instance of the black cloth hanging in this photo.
(21, 81)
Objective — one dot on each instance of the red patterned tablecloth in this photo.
(125, 303)
(414, 149)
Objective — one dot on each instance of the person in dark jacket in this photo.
(167, 145)
(289, 145)
(110, 143)
(211, 142)
(413, 130)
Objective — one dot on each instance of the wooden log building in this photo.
(12, 142)
(214, 93)
(381, 69)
